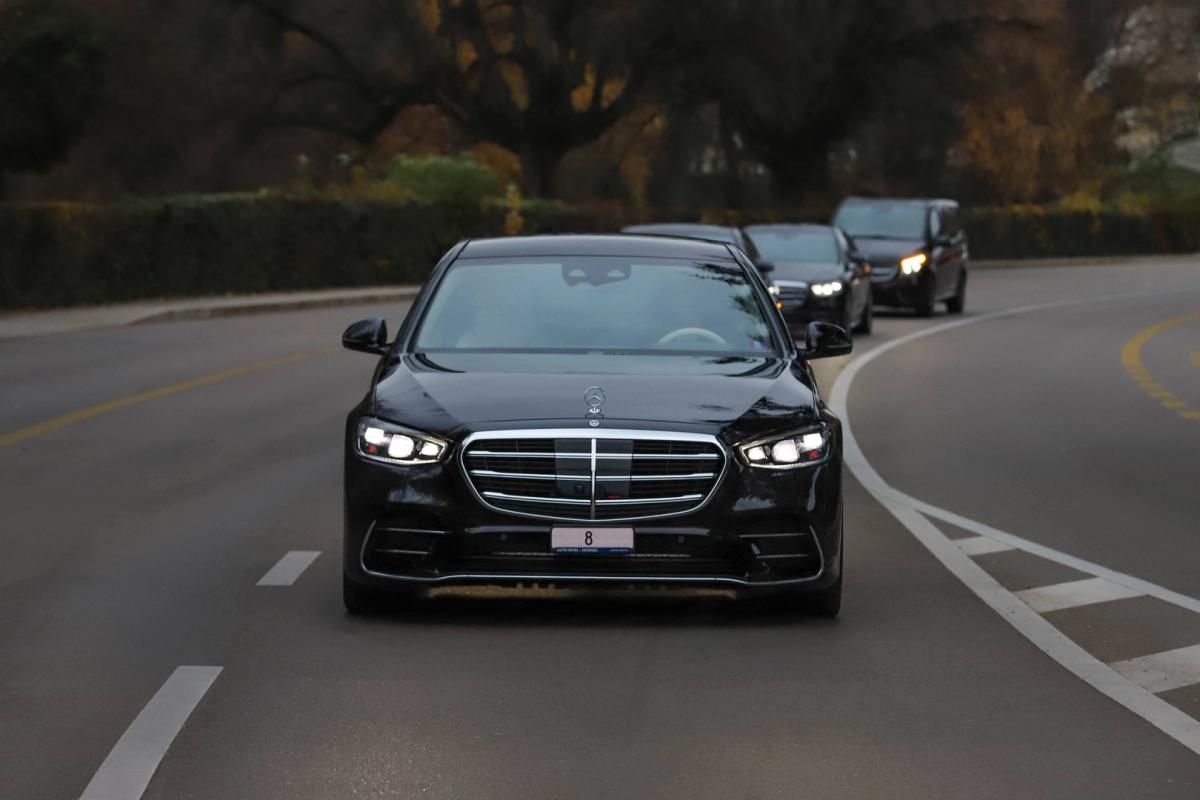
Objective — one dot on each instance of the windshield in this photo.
(794, 244)
(882, 220)
(595, 304)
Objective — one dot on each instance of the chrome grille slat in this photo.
(587, 456)
(592, 475)
(687, 476)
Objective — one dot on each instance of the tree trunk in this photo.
(539, 165)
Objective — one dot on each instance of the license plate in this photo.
(591, 540)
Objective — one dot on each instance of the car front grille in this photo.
(574, 474)
(884, 270)
(792, 292)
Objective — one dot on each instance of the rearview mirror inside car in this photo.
(367, 336)
(826, 340)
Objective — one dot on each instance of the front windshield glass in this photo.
(795, 244)
(656, 306)
(882, 220)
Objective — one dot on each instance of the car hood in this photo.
(452, 393)
(887, 249)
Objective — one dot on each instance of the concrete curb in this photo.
(21, 324)
(262, 306)
(1081, 261)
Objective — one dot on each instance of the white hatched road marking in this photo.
(982, 546)
(289, 568)
(126, 772)
(1162, 672)
(914, 515)
(1074, 594)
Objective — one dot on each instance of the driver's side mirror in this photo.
(826, 340)
(367, 336)
(765, 267)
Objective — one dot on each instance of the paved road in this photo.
(151, 476)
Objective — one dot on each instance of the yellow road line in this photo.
(1131, 358)
(75, 417)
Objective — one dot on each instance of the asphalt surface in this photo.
(136, 531)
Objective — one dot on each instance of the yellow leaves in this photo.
(466, 56)
(514, 79)
(430, 13)
(610, 90)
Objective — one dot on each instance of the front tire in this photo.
(956, 304)
(868, 318)
(924, 306)
(359, 600)
(826, 603)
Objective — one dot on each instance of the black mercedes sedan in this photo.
(593, 409)
(815, 273)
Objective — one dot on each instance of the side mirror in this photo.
(765, 267)
(367, 336)
(826, 340)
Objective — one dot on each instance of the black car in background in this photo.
(815, 273)
(917, 250)
(726, 234)
(543, 416)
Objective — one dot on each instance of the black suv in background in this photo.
(917, 250)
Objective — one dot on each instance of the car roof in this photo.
(697, 230)
(609, 244)
(923, 201)
(789, 226)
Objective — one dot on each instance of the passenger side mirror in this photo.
(826, 340)
(367, 336)
(765, 267)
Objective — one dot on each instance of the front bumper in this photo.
(423, 526)
(798, 315)
(900, 290)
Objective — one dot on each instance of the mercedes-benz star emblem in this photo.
(594, 397)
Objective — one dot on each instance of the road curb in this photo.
(1081, 261)
(262, 306)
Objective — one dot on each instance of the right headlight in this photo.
(384, 441)
(792, 451)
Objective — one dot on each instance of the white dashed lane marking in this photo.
(982, 546)
(1162, 672)
(1075, 593)
(128, 769)
(289, 568)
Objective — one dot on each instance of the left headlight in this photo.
(795, 450)
(383, 441)
(827, 289)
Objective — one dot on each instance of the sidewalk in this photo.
(37, 323)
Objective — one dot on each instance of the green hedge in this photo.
(1041, 233)
(69, 254)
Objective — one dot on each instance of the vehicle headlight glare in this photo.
(401, 446)
(773, 289)
(785, 452)
(913, 264)
(382, 441)
(788, 452)
(827, 289)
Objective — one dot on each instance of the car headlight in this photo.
(773, 290)
(788, 452)
(383, 441)
(826, 289)
(913, 264)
